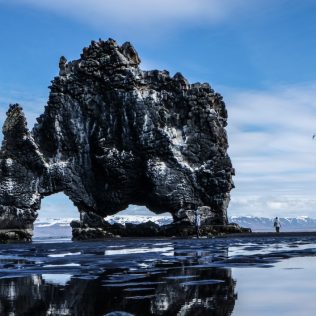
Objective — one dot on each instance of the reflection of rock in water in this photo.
(209, 299)
(196, 290)
(31, 296)
(144, 295)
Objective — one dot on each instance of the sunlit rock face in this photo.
(113, 135)
(21, 168)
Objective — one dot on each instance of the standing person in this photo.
(197, 223)
(277, 224)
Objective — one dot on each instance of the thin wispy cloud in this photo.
(271, 145)
(143, 15)
(272, 205)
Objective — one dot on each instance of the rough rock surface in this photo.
(95, 227)
(113, 135)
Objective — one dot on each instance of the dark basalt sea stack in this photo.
(113, 135)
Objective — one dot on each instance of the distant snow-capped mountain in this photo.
(137, 219)
(49, 222)
(52, 228)
(302, 223)
(60, 227)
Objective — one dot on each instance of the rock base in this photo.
(150, 229)
(15, 235)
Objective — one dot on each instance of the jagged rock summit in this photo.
(113, 135)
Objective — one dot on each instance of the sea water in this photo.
(220, 276)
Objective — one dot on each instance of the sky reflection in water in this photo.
(221, 277)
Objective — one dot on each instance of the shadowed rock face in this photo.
(113, 135)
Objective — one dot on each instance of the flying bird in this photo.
(314, 136)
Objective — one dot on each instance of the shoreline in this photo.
(252, 235)
(269, 234)
(205, 238)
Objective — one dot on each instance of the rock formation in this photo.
(113, 135)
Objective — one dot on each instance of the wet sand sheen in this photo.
(156, 277)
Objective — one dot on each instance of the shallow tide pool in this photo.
(240, 277)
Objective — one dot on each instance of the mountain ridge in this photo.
(256, 223)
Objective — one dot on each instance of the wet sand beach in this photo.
(217, 276)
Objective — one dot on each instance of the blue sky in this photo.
(259, 54)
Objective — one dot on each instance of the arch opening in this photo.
(137, 214)
(54, 217)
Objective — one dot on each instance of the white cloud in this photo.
(271, 146)
(272, 205)
(144, 15)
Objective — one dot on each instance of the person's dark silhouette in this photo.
(277, 224)
(197, 222)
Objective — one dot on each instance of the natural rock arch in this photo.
(113, 135)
